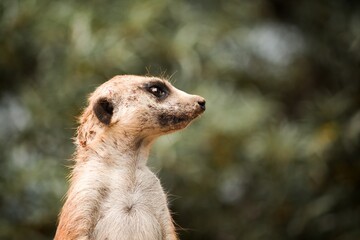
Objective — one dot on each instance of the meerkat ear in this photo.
(103, 110)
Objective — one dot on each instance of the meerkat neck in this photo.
(143, 151)
(122, 151)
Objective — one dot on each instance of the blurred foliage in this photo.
(275, 156)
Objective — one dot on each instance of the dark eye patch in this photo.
(158, 89)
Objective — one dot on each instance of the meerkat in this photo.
(112, 193)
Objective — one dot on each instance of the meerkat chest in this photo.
(131, 188)
(135, 202)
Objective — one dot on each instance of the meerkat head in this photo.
(139, 107)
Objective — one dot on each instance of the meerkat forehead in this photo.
(122, 82)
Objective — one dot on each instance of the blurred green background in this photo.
(275, 156)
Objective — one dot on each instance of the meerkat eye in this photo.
(160, 91)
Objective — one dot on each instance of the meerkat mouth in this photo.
(176, 122)
(169, 120)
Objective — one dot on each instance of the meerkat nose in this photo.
(202, 104)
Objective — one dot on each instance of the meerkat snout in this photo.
(202, 104)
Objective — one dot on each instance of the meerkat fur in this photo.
(112, 193)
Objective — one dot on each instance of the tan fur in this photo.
(113, 194)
